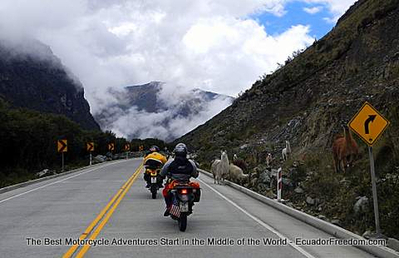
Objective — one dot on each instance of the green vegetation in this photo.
(29, 143)
(337, 192)
(147, 143)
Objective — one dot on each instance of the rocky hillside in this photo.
(32, 77)
(159, 105)
(306, 101)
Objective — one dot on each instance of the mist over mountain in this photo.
(32, 77)
(161, 110)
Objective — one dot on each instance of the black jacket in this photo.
(180, 168)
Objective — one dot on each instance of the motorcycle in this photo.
(184, 196)
(155, 184)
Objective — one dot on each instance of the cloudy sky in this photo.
(216, 45)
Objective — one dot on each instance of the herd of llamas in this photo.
(344, 148)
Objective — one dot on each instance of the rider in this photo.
(179, 169)
(154, 159)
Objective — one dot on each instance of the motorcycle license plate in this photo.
(184, 207)
(153, 180)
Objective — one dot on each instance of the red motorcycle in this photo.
(184, 195)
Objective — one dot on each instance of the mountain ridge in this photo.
(32, 77)
(165, 102)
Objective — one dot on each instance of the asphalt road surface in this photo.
(109, 205)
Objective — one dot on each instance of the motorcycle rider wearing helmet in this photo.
(152, 149)
(179, 169)
(154, 159)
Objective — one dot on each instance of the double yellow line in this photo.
(102, 218)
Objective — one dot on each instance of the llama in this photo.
(214, 168)
(223, 168)
(269, 159)
(236, 174)
(345, 150)
(286, 151)
(240, 163)
(220, 168)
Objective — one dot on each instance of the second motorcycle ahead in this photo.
(153, 163)
(155, 183)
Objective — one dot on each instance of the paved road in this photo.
(64, 207)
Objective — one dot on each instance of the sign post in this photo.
(127, 149)
(90, 148)
(374, 188)
(279, 183)
(369, 125)
(62, 146)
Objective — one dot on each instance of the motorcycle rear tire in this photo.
(183, 222)
(153, 192)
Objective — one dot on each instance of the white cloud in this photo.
(313, 10)
(207, 44)
(199, 44)
(170, 121)
(336, 7)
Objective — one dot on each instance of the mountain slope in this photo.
(32, 77)
(159, 109)
(306, 102)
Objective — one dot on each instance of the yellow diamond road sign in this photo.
(368, 123)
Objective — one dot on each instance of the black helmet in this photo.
(154, 148)
(180, 149)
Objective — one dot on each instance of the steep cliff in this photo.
(32, 77)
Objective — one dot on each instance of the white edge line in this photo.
(56, 182)
(270, 228)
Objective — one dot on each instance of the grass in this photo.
(337, 192)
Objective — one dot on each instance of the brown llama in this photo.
(240, 163)
(345, 150)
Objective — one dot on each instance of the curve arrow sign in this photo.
(367, 123)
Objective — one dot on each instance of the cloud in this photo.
(199, 44)
(313, 10)
(336, 7)
(170, 121)
(208, 44)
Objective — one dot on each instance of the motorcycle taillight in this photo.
(184, 191)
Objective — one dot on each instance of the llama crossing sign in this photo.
(369, 124)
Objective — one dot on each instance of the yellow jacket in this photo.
(155, 156)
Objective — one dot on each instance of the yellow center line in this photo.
(105, 220)
(100, 216)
